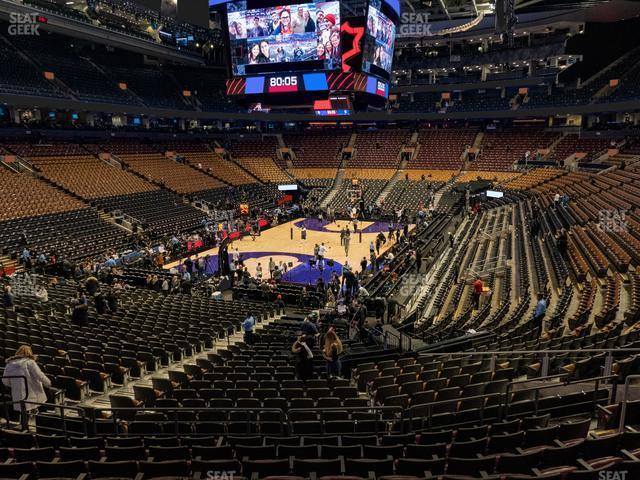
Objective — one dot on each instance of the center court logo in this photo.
(23, 24)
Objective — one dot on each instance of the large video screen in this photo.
(303, 35)
(377, 55)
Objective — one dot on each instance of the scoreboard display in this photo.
(304, 51)
(308, 83)
(267, 36)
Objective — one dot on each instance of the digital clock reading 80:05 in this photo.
(290, 81)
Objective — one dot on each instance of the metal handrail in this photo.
(369, 408)
(93, 413)
(176, 420)
(623, 401)
(517, 352)
(431, 405)
(5, 403)
(537, 389)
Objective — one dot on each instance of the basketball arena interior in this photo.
(320, 239)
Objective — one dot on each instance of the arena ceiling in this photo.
(452, 9)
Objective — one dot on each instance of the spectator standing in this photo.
(26, 259)
(562, 244)
(539, 313)
(277, 275)
(41, 294)
(332, 352)
(23, 364)
(478, 288)
(322, 252)
(272, 267)
(8, 297)
(304, 358)
(310, 331)
(247, 327)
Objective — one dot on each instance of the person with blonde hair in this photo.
(331, 352)
(23, 364)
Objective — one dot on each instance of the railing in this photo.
(544, 356)
(401, 341)
(536, 401)
(387, 418)
(119, 214)
(454, 401)
(7, 405)
(624, 400)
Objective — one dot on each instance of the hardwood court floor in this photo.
(276, 243)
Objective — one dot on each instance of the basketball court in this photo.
(276, 243)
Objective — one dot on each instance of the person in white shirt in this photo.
(322, 251)
(235, 255)
(41, 294)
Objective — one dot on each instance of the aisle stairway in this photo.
(102, 401)
(335, 188)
